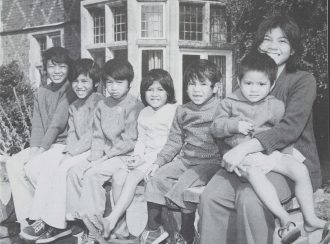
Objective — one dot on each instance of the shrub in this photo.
(16, 100)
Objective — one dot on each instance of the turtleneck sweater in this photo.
(115, 127)
(50, 114)
(190, 136)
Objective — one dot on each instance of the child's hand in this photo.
(134, 162)
(233, 158)
(151, 172)
(245, 127)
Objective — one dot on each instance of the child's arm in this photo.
(37, 127)
(84, 143)
(224, 125)
(129, 135)
(98, 140)
(174, 142)
(59, 122)
(72, 136)
(140, 146)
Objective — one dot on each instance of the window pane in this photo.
(218, 24)
(191, 21)
(99, 26)
(120, 23)
(220, 61)
(42, 43)
(152, 21)
(56, 41)
(151, 59)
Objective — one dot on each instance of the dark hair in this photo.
(58, 55)
(290, 30)
(164, 79)
(201, 70)
(87, 67)
(118, 69)
(258, 62)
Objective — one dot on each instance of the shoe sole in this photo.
(161, 238)
(28, 237)
(54, 238)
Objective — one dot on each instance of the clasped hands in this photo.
(232, 160)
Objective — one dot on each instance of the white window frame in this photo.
(203, 22)
(162, 4)
(113, 9)
(99, 27)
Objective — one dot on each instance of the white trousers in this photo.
(49, 202)
(23, 176)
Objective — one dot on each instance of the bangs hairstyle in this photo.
(202, 70)
(59, 55)
(292, 32)
(88, 68)
(118, 69)
(164, 79)
(258, 62)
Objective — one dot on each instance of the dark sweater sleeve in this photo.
(174, 141)
(224, 125)
(59, 122)
(37, 127)
(298, 109)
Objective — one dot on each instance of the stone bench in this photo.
(193, 194)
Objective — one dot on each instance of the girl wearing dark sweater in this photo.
(230, 210)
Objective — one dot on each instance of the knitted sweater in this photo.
(153, 129)
(190, 135)
(115, 127)
(81, 113)
(235, 107)
(298, 91)
(50, 114)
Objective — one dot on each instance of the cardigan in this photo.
(153, 130)
(190, 137)
(50, 114)
(115, 127)
(81, 113)
(298, 91)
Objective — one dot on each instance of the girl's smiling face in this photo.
(156, 96)
(82, 86)
(276, 45)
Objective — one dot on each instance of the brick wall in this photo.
(21, 19)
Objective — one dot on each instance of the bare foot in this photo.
(314, 225)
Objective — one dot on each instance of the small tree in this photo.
(16, 99)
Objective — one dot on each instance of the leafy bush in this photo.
(16, 100)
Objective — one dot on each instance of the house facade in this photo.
(28, 27)
(167, 34)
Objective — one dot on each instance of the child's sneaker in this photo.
(34, 231)
(53, 234)
(153, 236)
